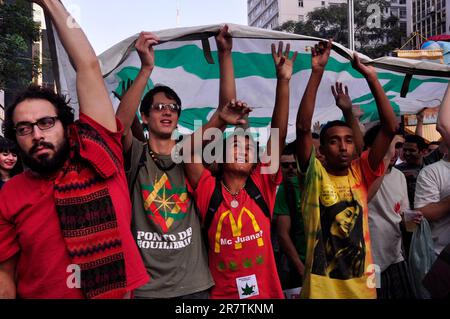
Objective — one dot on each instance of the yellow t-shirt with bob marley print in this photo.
(335, 213)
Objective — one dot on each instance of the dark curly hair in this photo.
(60, 102)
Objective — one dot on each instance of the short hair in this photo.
(148, 98)
(64, 112)
(290, 149)
(370, 135)
(329, 125)
(418, 140)
(8, 146)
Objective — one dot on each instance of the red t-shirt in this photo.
(30, 228)
(241, 258)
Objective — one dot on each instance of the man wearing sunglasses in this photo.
(165, 220)
(65, 222)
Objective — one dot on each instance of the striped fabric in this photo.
(88, 219)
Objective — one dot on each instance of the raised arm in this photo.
(228, 112)
(129, 103)
(92, 94)
(373, 189)
(420, 117)
(388, 121)
(344, 102)
(284, 67)
(319, 58)
(443, 122)
(227, 90)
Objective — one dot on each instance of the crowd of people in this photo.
(101, 211)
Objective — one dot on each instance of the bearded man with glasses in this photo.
(65, 222)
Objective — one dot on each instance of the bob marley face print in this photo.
(339, 250)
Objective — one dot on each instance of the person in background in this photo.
(386, 209)
(432, 197)
(9, 164)
(414, 149)
(289, 223)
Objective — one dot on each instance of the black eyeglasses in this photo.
(26, 128)
(288, 164)
(171, 107)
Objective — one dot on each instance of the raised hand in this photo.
(224, 40)
(320, 55)
(284, 66)
(234, 113)
(144, 47)
(342, 98)
(420, 116)
(366, 70)
(316, 127)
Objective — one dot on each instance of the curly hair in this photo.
(60, 102)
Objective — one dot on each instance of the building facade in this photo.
(399, 9)
(41, 51)
(38, 51)
(428, 17)
(269, 14)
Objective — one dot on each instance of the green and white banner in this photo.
(187, 61)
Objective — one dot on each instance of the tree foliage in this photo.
(17, 32)
(332, 22)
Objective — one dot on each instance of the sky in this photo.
(107, 22)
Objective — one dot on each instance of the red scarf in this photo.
(87, 216)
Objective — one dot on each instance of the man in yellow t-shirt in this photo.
(334, 194)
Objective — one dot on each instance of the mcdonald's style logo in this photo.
(236, 228)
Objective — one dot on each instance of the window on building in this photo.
(300, 3)
(403, 26)
(402, 13)
(323, 3)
